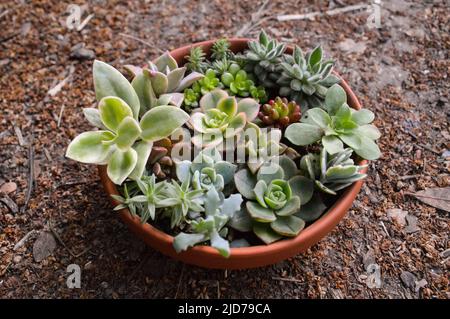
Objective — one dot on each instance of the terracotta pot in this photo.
(246, 257)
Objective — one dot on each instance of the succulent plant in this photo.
(162, 83)
(263, 59)
(122, 143)
(339, 125)
(196, 60)
(206, 170)
(260, 145)
(181, 199)
(280, 113)
(306, 79)
(221, 50)
(274, 195)
(218, 211)
(332, 173)
(221, 117)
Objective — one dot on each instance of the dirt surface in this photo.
(390, 245)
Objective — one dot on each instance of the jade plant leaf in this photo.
(303, 133)
(121, 164)
(266, 233)
(110, 82)
(161, 121)
(288, 226)
(88, 147)
(113, 111)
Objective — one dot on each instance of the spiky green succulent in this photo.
(221, 50)
(306, 79)
(263, 59)
(332, 173)
(196, 60)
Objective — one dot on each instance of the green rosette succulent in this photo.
(275, 195)
(207, 170)
(201, 87)
(336, 126)
(263, 59)
(306, 79)
(221, 117)
(124, 140)
(332, 173)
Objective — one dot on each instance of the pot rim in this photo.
(318, 228)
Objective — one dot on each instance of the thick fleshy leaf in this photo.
(241, 221)
(162, 121)
(207, 140)
(183, 241)
(212, 202)
(288, 166)
(143, 87)
(93, 116)
(369, 149)
(302, 187)
(291, 207)
(318, 117)
(175, 99)
(239, 243)
(232, 204)
(159, 81)
(121, 164)
(259, 213)
(245, 182)
(260, 191)
(315, 56)
(334, 98)
(197, 122)
(250, 107)
(88, 147)
(110, 82)
(183, 170)
(127, 133)
(188, 81)
(226, 169)
(312, 210)
(270, 171)
(174, 78)
(210, 100)
(352, 140)
(266, 233)
(363, 116)
(143, 150)
(303, 134)
(369, 131)
(222, 245)
(236, 125)
(165, 61)
(228, 105)
(332, 144)
(112, 111)
(288, 226)
(340, 172)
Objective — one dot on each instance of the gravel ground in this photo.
(390, 245)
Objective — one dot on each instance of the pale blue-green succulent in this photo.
(337, 125)
(211, 227)
(124, 140)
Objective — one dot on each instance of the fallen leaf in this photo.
(7, 188)
(412, 224)
(408, 279)
(43, 246)
(398, 215)
(436, 197)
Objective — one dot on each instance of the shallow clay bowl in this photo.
(246, 257)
